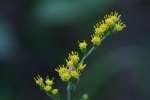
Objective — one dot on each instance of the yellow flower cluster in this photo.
(66, 73)
(73, 67)
(63, 73)
(71, 70)
(111, 23)
(46, 85)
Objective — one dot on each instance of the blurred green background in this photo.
(36, 36)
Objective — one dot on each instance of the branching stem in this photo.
(86, 55)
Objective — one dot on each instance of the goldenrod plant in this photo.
(71, 71)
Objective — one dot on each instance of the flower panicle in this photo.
(74, 63)
(111, 23)
(46, 85)
(73, 68)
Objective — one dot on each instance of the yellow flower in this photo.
(104, 26)
(99, 31)
(63, 73)
(74, 57)
(55, 91)
(69, 63)
(39, 80)
(47, 88)
(81, 67)
(112, 18)
(61, 69)
(101, 28)
(96, 40)
(82, 45)
(119, 26)
(65, 76)
(49, 82)
(109, 21)
(74, 74)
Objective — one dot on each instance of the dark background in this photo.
(36, 36)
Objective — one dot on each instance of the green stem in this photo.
(87, 54)
(69, 91)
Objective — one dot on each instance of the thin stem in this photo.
(69, 91)
(86, 55)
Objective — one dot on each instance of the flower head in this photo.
(82, 45)
(119, 26)
(63, 73)
(96, 40)
(74, 57)
(112, 18)
(69, 63)
(47, 88)
(49, 82)
(62, 69)
(65, 76)
(66, 73)
(101, 28)
(39, 80)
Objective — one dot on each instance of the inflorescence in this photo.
(75, 65)
(46, 85)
